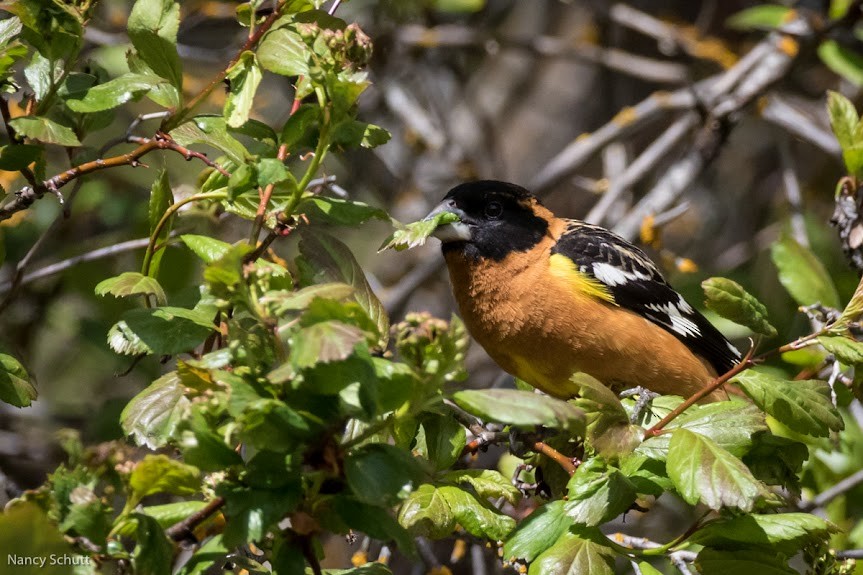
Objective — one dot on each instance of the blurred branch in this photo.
(791, 185)
(396, 297)
(832, 493)
(456, 36)
(778, 110)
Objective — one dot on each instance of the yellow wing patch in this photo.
(564, 268)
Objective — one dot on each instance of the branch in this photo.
(184, 529)
(832, 493)
(565, 462)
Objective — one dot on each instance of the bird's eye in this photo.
(493, 210)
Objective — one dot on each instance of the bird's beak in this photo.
(454, 232)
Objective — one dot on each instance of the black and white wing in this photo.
(636, 284)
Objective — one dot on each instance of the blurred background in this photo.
(645, 116)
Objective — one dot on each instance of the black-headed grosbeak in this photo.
(547, 297)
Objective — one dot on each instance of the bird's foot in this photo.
(645, 396)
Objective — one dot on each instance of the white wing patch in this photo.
(679, 322)
(613, 276)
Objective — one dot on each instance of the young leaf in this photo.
(382, 474)
(352, 133)
(131, 283)
(845, 62)
(802, 274)
(435, 511)
(44, 130)
(845, 349)
(207, 248)
(416, 234)
(487, 483)
(284, 52)
(804, 406)
(160, 331)
(153, 415)
(598, 493)
(152, 28)
(324, 342)
(521, 408)
(339, 212)
(538, 532)
(571, 554)
(212, 131)
(113, 93)
(440, 439)
(153, 551)
(608, 427)
(731, 301)
(161, 198)
(783, 532)
(333, 262)
(843, 119)
(704, 472)
(243, 79)
(160, 474)
(768, 16)
(15, 386)
(713, 562)
(284, 301)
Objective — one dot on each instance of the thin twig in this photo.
(791, 185)
(184, 529)
(832, 493)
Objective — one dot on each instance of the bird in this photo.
(548, 297)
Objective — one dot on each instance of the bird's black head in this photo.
(496, 219)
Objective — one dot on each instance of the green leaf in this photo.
(648, 569)
(783, 532)
(26, 531)
(598, 493)
(324, 342)
(845, 62)
(211, 552)
(352, 133)
(435, 511)
(9, 29)
(333, 262)
(152, 416)
(212, 131)
(273, 171)
(440, 439)
(41, 74)
(777, 460)
(152, 28)
(171, 513)
(416, 233)
(487, 483)
(730, 424)
(243, 79)
(845, 349)
(731, 301)
(284, 301)
(131, 283)
(339, 212)
(161, 198)
(160, 331)
(375, 522)
(608, 427)
(160, 474)
(521, 408)
(704, 472)
(44, 130)
(284, 52)
(367, 569)
(572, 555)
(271, 424)
(113, 93)
(203, 447)
(802, 274)
(207, 248)
(15, 385)
(153, 551)
(252, 513)
(538, 532)
(713, 562)
(17, 157)
(767, 16)
(843, 119)
(805, 406)
(299, 125)
(382, 474)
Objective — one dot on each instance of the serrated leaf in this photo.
(153, 415)
(284, 301)
(766, 17)
(805, 406)
(572, 555)
(597, 493)
(731, 424)
(160, 331)
(339, 212)
(113, 93)
(160, 474)
(44, 130)
(324, 342)
(416, 233)
(243, 79)
(704, 472)
(731, 301)
(487, 483)
(207, 248)
(212, 131)
(382, 474)
(353, 133)
(783, 532)
(440, 439)
(608, 426)
(333, 262)
(845, 62)
(435, 511)
(845, 349)
(521, 408)
(283, 51)
(802, 274)
(843, 119)
(713, 562)
(15, 385)
(537, 532)
(152, 28)
(131, 283)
